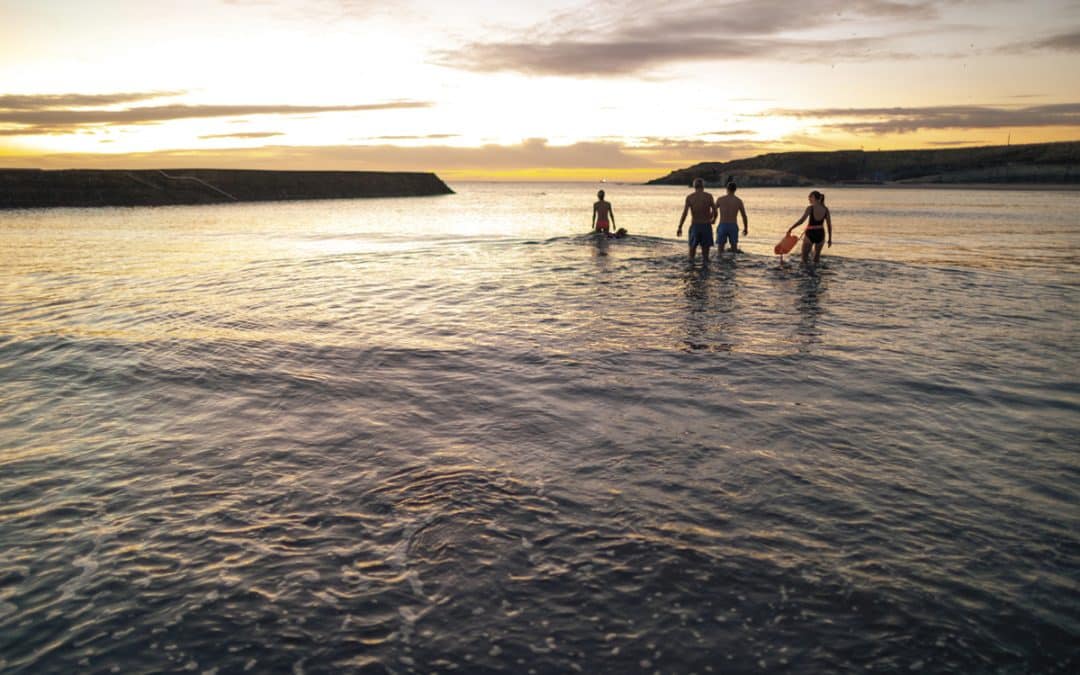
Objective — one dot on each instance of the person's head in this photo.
(620, 233)
(600, 195)
(817, 197)
(731, 187)
(699, 184)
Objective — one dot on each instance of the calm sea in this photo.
(456, 434)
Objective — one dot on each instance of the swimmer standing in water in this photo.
(728, 208)
(603, 217)
(701, 205)
(819, 217)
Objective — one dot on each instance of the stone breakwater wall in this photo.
(34, 188)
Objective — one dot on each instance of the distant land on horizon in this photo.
(37, 188)
(1041, 164)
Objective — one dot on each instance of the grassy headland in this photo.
(1042, 164)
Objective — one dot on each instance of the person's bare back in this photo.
(701, 207)
(729, 207)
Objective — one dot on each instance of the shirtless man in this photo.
(729, 207)
(602, 214)
(700, 204)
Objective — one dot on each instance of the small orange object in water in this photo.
(786, 244)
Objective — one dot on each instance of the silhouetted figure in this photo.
(700, 204)
(814, 236)
(728, 209)
(603, 216)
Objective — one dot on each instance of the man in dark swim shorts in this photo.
(728, 208)
(700, 204)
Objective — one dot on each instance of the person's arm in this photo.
(713, 212)
(828, 221)
(611, 215)
(800, 221)
(685, 210)
(745, 220)
(594, 208)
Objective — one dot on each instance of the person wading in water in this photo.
(819, 217)
(602, 215)
(700, 204)
(728, 208)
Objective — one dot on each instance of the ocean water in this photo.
(457, 434)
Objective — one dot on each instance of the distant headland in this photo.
(36, 188)
(1043, 164)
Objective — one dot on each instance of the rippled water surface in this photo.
(456, 434)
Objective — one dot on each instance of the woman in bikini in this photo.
(819, 217)
(603, 216)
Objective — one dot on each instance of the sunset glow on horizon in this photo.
(559, 90)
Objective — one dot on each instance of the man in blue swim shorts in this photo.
(700, 204)
(729, 207)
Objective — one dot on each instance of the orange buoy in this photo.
(786, 244)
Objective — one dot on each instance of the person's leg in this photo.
(817, 251)
(806, 250)
(693, 251)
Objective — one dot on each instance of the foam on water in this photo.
(267, 438)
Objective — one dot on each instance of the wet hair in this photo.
(699, 182)
(731, 187)
(600, 194)
(819, 196)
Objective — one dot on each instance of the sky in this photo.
(564, 90)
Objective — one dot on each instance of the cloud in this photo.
(680, 152)
(144, 114)
(36, 131)
(731, 132)
(1066, 42)
(906, 120)
(69, 113)
(245, 134)
(953, 143)
(643, 157)
(1063, 42)
(531, 154)
(627, 57)
(317, 10)
(9, 102)
(644, 36)
(425, 137)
